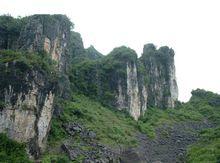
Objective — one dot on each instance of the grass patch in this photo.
(115, 128)
(207, 149)
(12, 151)
(55, 158)
(155, 117)
(111, 127)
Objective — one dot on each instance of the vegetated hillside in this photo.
(12, 151)
(118, 131)
(95, 108)
(113, 128)
(208, 147)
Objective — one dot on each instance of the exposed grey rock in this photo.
(91, 134)
(162, 86)
(28, 110)
(130, 156)
(170, 148)
(160, 89)
(95, 152)
(133, 91)
(88, 160)
(131, 99)
(73, 128)
(72, 153)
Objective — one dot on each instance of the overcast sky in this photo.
(190, 27)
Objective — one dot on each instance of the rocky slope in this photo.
(170, 144)
(91, 132)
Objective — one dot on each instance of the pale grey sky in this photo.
(190, 27)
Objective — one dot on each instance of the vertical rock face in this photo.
(120, 98)
(133, 91)
(160, 69)
(143, 99)
(28, 102)
(173, 86)
(27, 109)
(127, 96)
(47, 33)
(150, 80)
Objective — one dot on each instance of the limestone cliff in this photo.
(160, 69)
(113, 80)
(27, 92)
(125, 77)
(27, 98)
(128, 83)
(133, 91)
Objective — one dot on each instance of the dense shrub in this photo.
(26, 61)
(207, 149)
(12, 151)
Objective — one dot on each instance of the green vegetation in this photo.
(18, 68)
(12, 151)
(111, 127)
(99, 78)
(58, 158)
(197, 109)
(156, 117)
(82, 78)
(123, 54)
(92, 53)
(21, 62)
(30, 60)
(10, 25)
(206, 103)
(114, 128)
(2, 104)
(48, 20)
(207, 149)
(10, 29)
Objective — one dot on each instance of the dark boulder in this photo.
(72, 153)
(73, 128)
